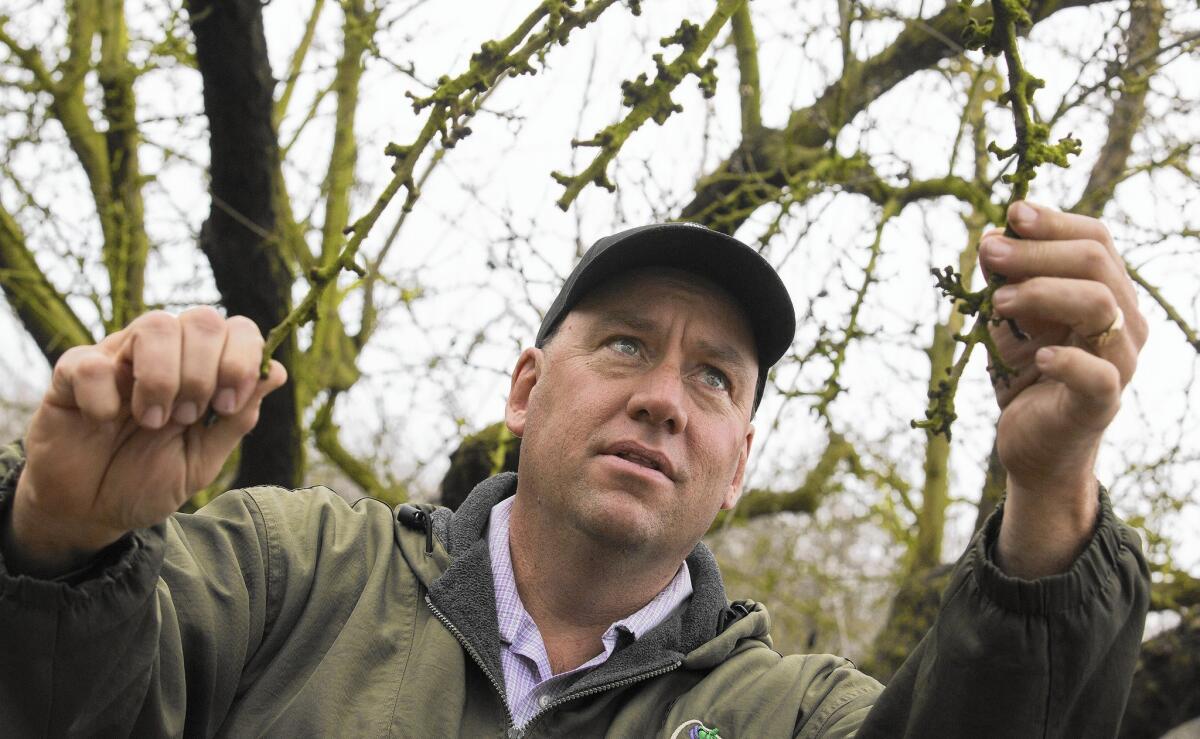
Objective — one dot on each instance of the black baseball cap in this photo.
(724, 260)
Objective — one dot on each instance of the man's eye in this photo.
(715, 379)
(625, 345)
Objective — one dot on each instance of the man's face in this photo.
(635, 418)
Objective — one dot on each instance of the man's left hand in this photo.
(1069, 292)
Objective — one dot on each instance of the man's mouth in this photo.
(650, 459)
(639, 459)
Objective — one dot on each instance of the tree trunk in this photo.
(238, 237)
(912, 612)
(1166, 684)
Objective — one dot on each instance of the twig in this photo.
(651, 100)
(1169, 309)
(451, 104)
(996, 35)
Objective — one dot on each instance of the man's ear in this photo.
(735, 486)
(524, 376)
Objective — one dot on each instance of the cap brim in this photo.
(724, 260)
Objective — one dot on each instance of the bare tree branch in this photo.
(1141, 39)
(42, 310)
(780, 158)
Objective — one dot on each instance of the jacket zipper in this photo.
(600, 689)
(498, 685)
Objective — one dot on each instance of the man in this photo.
(574, 600)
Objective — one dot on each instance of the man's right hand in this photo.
(119, 441)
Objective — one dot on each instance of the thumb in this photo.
(1093, 385)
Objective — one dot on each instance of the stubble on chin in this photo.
(619, 525)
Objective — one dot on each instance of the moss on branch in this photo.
(42, 309)
(837, 353)
(325, 433)
(996, 36)
(749, 89)
(451, 104)
(651, 100)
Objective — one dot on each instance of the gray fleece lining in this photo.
(464, 594)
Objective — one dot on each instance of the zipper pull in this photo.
(414, 518)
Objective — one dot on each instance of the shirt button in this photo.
(544, 701)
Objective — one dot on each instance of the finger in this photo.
(1019, 259)
(203, 331)
(153, 348)
(237, 375)
(1093, 384)
(1033, 221)
(1086, 307)
(86, 378)
(984, 264)
(1082, 259)
(227, 431)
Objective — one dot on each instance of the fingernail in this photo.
(226, 401)
(1004, 296)
(995, 248)
(1022, 214)
(153, 417)
(186, 413)
(1044, 356)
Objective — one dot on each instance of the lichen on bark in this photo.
(996, 36)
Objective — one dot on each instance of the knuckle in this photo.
(1033, 290)
(1095, 257)
(244, 324)
(1111, 385)
(158, 322)
(70, 359)
(237, 370)
(84, 363)
(1103, 301)
(93, 365)
(204, 318)
(75, 352)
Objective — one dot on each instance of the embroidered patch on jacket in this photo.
(694, 729)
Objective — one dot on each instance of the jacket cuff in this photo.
(1092, 572)
(106, 590)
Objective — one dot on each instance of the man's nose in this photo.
(659, 398)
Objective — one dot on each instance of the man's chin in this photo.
(618, 518)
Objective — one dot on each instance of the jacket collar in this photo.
(464, 594)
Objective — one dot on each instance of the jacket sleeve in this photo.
(149, 640)
(1026, 658)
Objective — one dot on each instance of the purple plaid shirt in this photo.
(529, 683)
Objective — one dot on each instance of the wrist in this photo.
(44, 545)
(1043, 531)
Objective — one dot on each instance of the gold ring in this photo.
(1098, 340)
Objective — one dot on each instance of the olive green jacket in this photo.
(282, 613)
